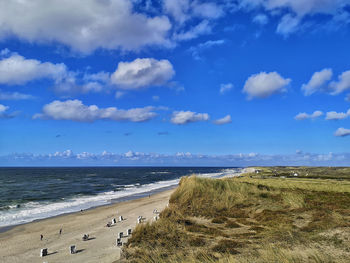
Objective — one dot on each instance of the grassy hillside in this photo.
(249, 220)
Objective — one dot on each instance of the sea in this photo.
(32, 193)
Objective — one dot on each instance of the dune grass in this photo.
(248, 220)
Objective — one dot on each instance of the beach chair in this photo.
(118, 242)
(43, 252)
(120, 234)
(85, 237)
(114, 221)
(72, 249)
(121, 218)
(128, 231)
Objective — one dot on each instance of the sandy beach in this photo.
(23, 244)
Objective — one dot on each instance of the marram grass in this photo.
(248, 220)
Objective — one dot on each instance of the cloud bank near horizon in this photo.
(131, 158)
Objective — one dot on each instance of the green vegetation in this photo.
(339, 173)
(250, 219)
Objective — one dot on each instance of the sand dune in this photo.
(22, 243)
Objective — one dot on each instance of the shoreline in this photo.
(22, 242)
(4, 229)
(132, 196)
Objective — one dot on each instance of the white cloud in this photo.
(207, 10)
(183, 10)
(197, 50)
(264, 84)
(142, 72)
(3, 108)
(317, 81)
(342, 84)
(302, 7)
(288, 24)
(14, 96)
(184, 117)
(83, 25)
(75, 110)
(298, 10)
(65, 154)
(183, 158)
(17, 70)
(342, 132)
(332, 115)
(224, 120)
(202, 28)
(261, 19)
(304, 116)
(225, 88)
(177, 9)
(4, 114)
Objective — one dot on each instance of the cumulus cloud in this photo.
(142, 72)
(75, 110)
(333, 115)
(317, 81)
(342, 132)
(263, 85)
(305, 116)
(17, 70)
(184, 117)
(342, 84)
(14, 96)
(224, 120)
(225, 88)
(83, 25)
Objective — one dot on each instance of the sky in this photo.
(163, 82)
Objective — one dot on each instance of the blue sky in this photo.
(142, 82)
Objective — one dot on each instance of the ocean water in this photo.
(28, 194)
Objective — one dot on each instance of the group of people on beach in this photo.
(42, 236)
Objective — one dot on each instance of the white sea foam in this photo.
(39, 210)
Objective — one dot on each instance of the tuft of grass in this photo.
(226, 246)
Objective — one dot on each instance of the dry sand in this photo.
(22, 243)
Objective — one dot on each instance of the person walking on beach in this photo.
(41, 237)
